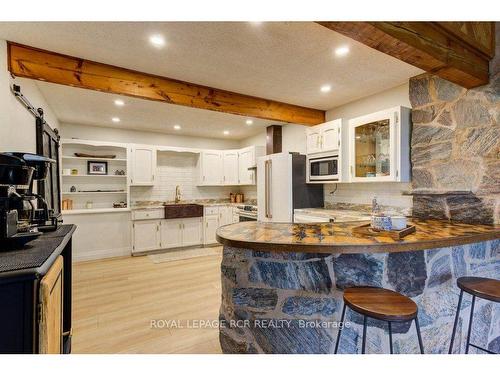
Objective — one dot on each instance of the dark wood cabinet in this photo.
(35, 295)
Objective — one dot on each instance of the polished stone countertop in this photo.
(336, 214)
(339, 238)
(156, 205)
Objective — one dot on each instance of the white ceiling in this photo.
(284, 61)
(80, 106)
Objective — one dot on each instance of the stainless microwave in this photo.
(324, 168)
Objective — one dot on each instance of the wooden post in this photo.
(273, 139)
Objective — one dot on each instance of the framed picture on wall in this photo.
(97, 167)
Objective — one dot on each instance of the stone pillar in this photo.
(455, 148)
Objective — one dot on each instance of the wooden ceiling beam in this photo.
(34, 63)
(458, 52)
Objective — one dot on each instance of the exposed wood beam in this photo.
(456, 52)
(30, 62)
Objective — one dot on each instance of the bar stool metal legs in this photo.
(390, 338)
(420, 344)
(470, 324)
(340, 328)
(363, 344)
(456, 321)
(488, 289)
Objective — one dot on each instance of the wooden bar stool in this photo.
(481, 287)
(382, 304)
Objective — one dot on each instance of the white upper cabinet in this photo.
(248, 159)
(313, 139)
(211, 168)
(230, 167)
(324, 137)
(379, 146)
(330, 137)
(143, 165)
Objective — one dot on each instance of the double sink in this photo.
(183, 210)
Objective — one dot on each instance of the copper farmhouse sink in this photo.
(179, 211)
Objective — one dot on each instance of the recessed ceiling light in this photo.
(249, 122)
(119, 102)
(342, 51)
(115, 119)
(326, 88)
(157, 40)
(226, 132)
(177, 127)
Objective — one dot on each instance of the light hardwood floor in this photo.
(115, 300)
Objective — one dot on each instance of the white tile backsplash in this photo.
(178, 169)
(387, 193)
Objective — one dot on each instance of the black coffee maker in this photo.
(16, 179)
(37, 210)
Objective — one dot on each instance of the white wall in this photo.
(17, 125)
(178, 169)
(293, 138)
(389, 194)
(144, 137)
(386, 99)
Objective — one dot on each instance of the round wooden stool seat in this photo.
(379, 303)
(481, 287)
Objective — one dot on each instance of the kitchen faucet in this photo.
(177, 194)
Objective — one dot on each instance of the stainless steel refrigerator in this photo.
(282, 187)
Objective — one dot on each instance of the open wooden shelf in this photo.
(94, 211)
(92, 192)
(96, 175)
(94, 159)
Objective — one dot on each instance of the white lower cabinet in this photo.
(171, 233)
(225, 215)
(215, 217)
(151, 235)
(192, 233)
(210, 227)
(146, 235)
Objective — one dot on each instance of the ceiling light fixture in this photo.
(157, 40)
(226, 132)
(119, 103)
(177, 127)
(342, 51)
(249, 122)
(326, 88)
(115, 119)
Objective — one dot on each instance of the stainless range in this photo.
(247, 213)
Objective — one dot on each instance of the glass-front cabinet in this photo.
(379, 146)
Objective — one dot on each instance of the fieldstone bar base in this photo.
(286, 302)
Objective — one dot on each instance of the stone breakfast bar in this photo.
(282, 285)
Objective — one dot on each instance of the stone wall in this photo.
(274, 302)
(455, 148)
